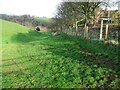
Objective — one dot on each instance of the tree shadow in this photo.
(76, 51)
(71, 49)
(32, 35)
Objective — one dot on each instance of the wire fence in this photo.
(94, 31)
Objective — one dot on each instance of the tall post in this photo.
(86, 32)
(106, 33)
(101, 29)
(76, 27)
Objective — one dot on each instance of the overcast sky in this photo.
(39, 8)
(33, 7)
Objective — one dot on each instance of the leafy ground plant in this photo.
(39, 60)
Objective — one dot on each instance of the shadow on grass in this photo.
(91, 53)
(32, 35)
(71, 49)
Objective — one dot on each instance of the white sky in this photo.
(39, 8)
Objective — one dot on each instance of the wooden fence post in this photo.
(106, 33)
(86, 32)
(101, 29)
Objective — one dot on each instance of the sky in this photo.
(46, 8)
(40, 8)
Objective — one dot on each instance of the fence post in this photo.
(86, 32)
(106, 32)
(101, 29)
(76, 27)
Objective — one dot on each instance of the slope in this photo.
(9, 29)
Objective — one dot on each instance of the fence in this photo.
(94, 31)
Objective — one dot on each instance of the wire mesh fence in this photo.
(94, 31)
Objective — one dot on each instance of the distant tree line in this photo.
(25, 20)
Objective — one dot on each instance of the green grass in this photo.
(39, 60)
(42, 19)
(9, 29)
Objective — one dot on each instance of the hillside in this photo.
(10, 29)
(26, 20)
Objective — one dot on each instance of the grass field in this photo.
(32, 59)
(10, 29)
(42, 19)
